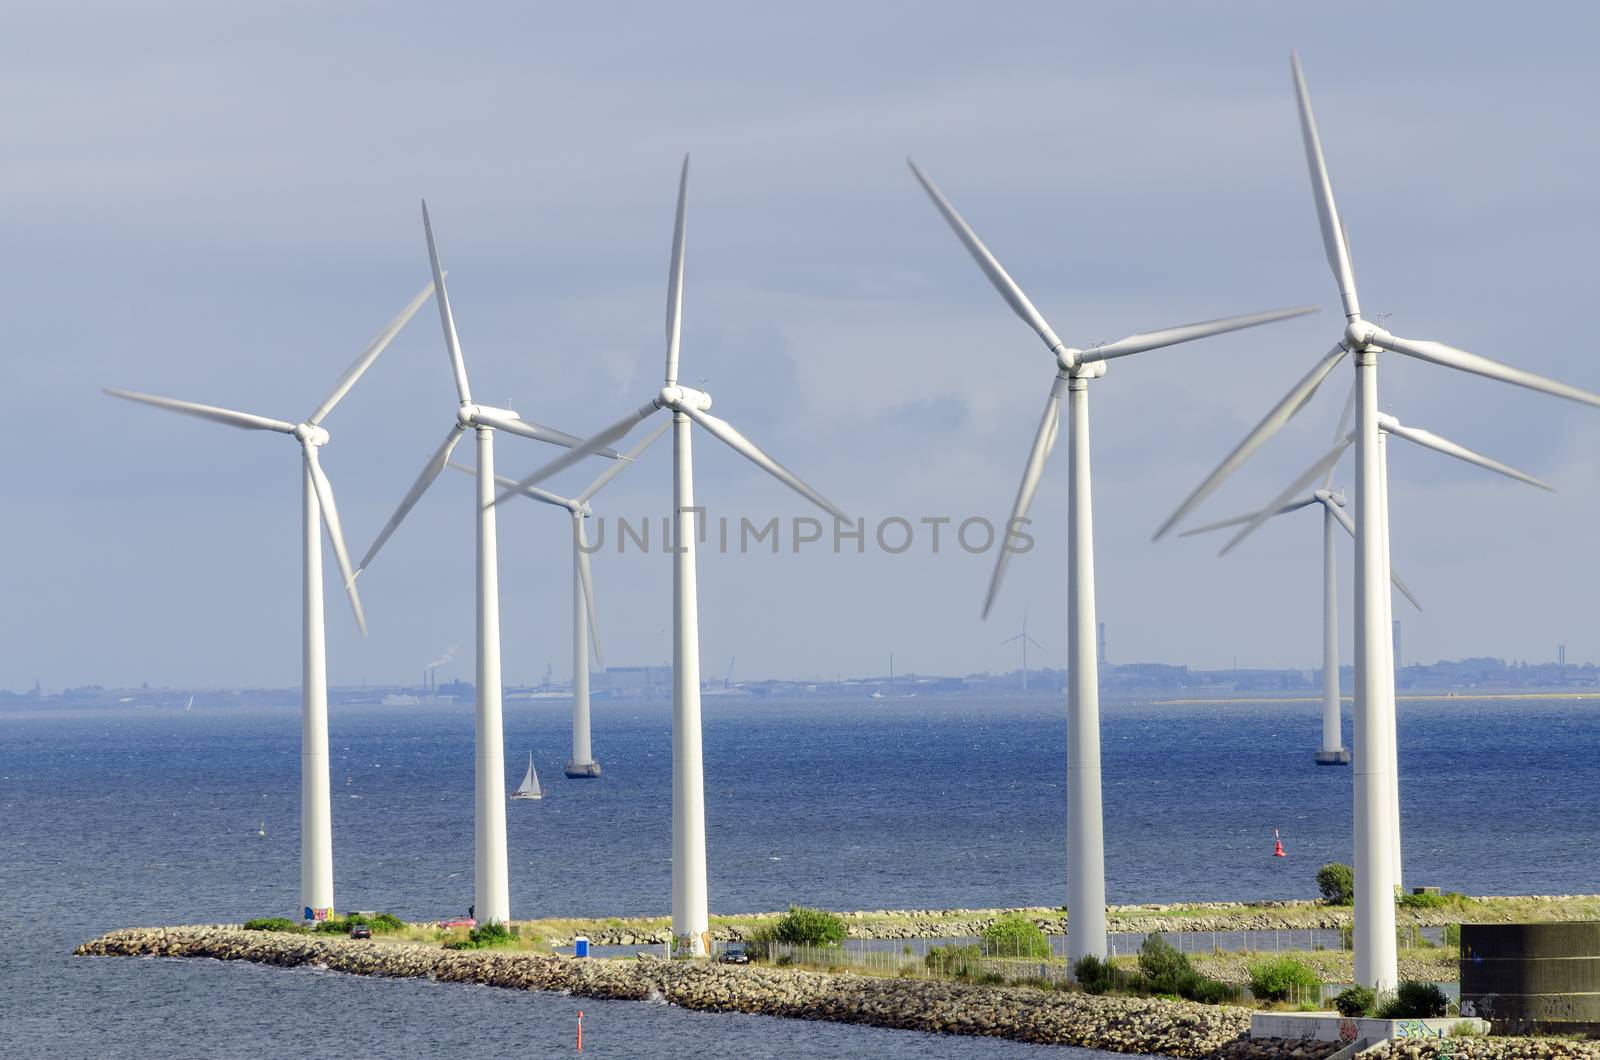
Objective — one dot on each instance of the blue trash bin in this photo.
(580, 946)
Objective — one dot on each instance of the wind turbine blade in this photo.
(1274, 420)
(614, 433)
(675, 276)
(1035, 643)
(1326, 461)
(532, 492)
(586, 576)
(1017, 637)
(1153, 340)
(242, 420)
(1450, 357)
(330, 521)
(613, 470)
(1344, 423)
(1429, 440)
(370, 354)
(537, 431)
(997, 275)
(447, 319)
(1344, 520)
(1333, 237)
(430, 471)
(730, 436)
(1238, 520)
(1044, 439)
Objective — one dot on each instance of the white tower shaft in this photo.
(1389, 710)
(1375, 956)
(316, 814)
(1086, 875)
(1332, 736)
(691, 922)
(491, 886)
(582, 754)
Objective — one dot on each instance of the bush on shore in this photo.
(1337, 882)
(1163, 969)
(1283, 978)
(274, 923)
(1413, 1000)
(960, 962)
(801, 926)
(1014, 935)
(486, 936)
(1356, 1001)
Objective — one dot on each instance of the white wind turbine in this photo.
(316, 815)
(584, 627)
(1375, 871)
(1086, 887)
(1026, 640)
(491, 886)
(1387, 426)
(690, 916)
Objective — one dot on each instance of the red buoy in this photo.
(1277, 845)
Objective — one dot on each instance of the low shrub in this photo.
(486, 936)
(1413, 1000)
(1094, 975)
(801, 926)
(1425, 900)
(1210, 991)
(1465, 1029)
(1015, 935)
(1162, 966)
(1452, 934)
(1356, 1001)
(961, 962)
(1279, 978)
(758, 944)
(273, 923)
(1337, 882)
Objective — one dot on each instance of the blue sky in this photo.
(220, 203)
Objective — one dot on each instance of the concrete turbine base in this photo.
(582, 770)
(1341, 757)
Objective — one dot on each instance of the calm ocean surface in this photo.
(142, 817)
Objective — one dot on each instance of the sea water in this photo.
(142, 816)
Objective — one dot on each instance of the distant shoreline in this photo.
(1465, 696)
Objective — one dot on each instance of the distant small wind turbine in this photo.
(1026, 640)
(1086, 885)
(491, 886)
(1376, 874)
(316, 814)
(691, 934)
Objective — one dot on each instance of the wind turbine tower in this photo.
(691, 934)
(1375, 862)
(1075, 370)
(317, 511)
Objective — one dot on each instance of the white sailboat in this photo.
(529, 788)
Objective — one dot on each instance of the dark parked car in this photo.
(735, 953)
(360, 931)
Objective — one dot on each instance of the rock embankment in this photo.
(892, 924)
(1117, 1024)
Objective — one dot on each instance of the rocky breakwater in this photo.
(1119, 1024)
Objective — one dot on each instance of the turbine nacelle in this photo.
(683, 399)
(470, 414)
(1358, 334)
(311, 435)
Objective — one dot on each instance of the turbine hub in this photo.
(1358, 334)
(1068, 358)
(310, 434)
(677, 398)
